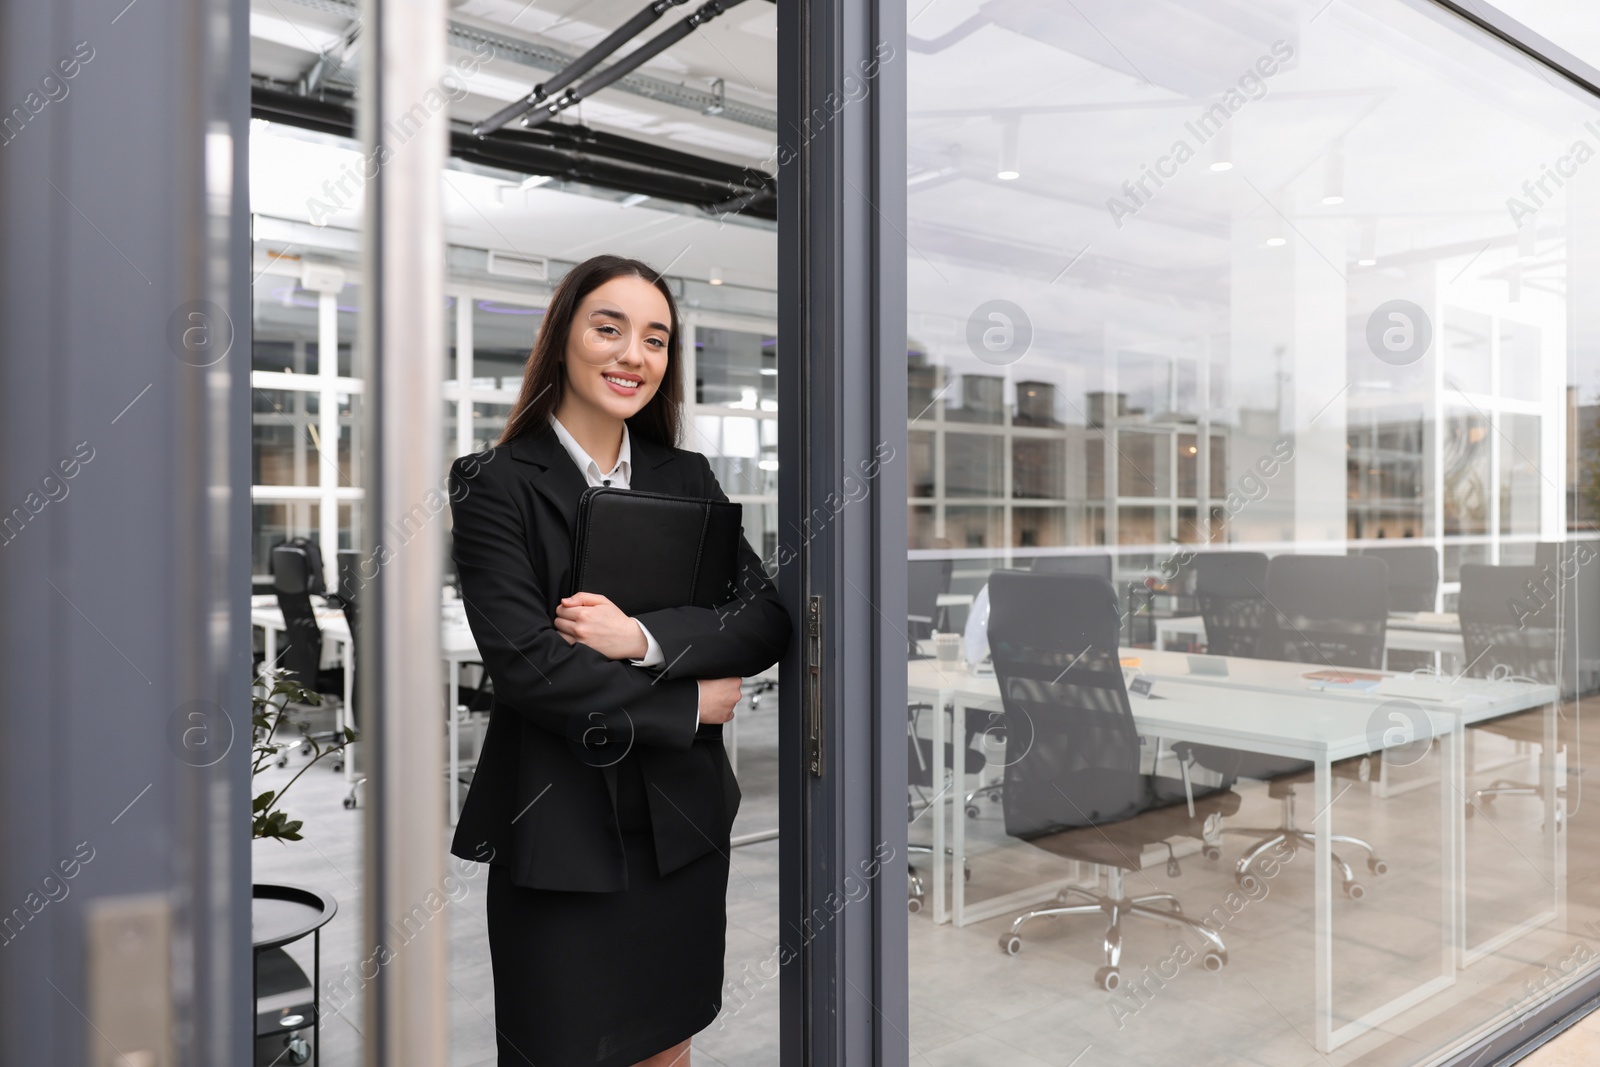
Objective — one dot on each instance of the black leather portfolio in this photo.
(648, 551)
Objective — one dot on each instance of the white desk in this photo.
(1269, 709)
(457, 646)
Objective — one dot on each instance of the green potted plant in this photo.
(271, 700)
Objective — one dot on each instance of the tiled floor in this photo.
(972, 1005)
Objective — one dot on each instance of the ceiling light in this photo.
(534, 181)
(1276, 242)
(1369, 243)
(1010, 142)
(716, 276)
(1222, 149)
(1333, 175)
(634, 198)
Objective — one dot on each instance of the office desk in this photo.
(1266, 707)
(456, 644)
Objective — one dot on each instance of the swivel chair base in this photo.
(1115, 904)
(1288, 834)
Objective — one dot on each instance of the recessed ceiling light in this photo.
(1274, 242)
(715, 277)
(1366, 263)
(1221, 165)
(1332, 199)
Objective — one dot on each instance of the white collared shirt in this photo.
(617, 478)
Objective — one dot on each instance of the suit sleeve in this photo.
(570, 689)
(737, 640)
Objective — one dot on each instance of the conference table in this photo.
(1272, 708)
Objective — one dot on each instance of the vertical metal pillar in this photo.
(124, 533)
(403, 125)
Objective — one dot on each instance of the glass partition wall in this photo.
(1252, 493)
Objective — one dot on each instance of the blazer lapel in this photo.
(654, 469)
(556, 477)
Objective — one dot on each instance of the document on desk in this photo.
(1343, 681)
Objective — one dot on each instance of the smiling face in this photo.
(616, 352)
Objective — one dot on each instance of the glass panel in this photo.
(1465, 447)
(1520, 474)
(285, 423)
(488, 423)
(1521, 357)
(1038, 467)
(736, 368)
(1219, 330)
(349, 305)
(285, 326)
(972, 464)
(502, 338)
(352, 431)
(272, 524)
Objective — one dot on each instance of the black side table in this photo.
(281, 915)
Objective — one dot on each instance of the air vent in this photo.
(529, 268)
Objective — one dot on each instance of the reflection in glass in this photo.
(1257, 320)
(284, 427)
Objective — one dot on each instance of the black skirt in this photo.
(608, 979)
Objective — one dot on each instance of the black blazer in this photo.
(543, 799)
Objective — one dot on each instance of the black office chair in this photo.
(1074, 785)
(1230, 588)
(1324, 611)
(348, 563)
(301, 657)
(1413, 575)
(1506, 632)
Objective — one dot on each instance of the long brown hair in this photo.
(543, 381)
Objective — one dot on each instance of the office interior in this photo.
(1268, 427)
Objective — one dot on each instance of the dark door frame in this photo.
(842, 432)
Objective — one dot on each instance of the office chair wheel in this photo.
(1010, 944)
(338, 765)
(296, 1049)
(1173, 870)
(1108, 978)
(1214, 960)
(1212, 852)
(349, 803)
(1377, 866)
(1472, 809)
(913, 904)
(283, 759)
(1249, 882)
(972, 811)
(1354, 890)
(305, 748)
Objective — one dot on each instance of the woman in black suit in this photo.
(603, 797)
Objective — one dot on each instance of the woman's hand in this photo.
(595, 621)
(717, 698)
